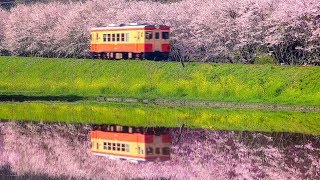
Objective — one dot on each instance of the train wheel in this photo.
(93, 55)
(130, 130)
(119, 128)
(112, 128)
(103, 56)
(104, 127)
(134, 56)
(112, 55)
(125, 55)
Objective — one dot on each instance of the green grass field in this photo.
(160, 80)
(152, 115)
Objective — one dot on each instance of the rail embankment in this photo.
(198, 82)
(207, 104)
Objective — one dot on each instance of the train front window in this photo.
(149, 151)
(157, 35)
(149, 35)
(157, 150)
(165, 35)
(166, 151)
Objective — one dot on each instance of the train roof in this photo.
(131, 26)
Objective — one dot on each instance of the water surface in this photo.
(63, 150)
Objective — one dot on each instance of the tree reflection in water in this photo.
(63, 150)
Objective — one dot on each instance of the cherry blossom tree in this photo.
(211, 30)
(3, 16)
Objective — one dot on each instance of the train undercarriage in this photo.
(129, 129)
(157, 56)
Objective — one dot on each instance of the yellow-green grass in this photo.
(152, 115)
(161, 80)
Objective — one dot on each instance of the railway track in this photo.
(206, 104)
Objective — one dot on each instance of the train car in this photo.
(131, 143)
(131, 41)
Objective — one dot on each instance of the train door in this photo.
(96, 37)
(138, 41)
(157, 40)
(93, 43)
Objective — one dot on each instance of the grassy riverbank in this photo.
(153, 115)
(160, 80)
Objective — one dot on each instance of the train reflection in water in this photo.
(136, 144)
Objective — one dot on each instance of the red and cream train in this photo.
(131, 41)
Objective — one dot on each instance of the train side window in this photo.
(157, 35)
(104, 37)
(118, 37)
(109, 37)
(157, 150)
(122, 37)
(165, 35)
(127, 37)
(118, 147)
(114, 146)
(149, 35)
(97, 145)
(123, 147)
(97, 37)
(127, 148)
(109, 146)
(113, 37)
(105, 145)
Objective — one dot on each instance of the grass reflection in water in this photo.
(153, 115)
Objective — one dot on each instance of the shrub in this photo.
(264, 59)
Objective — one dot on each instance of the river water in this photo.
(62, 151)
